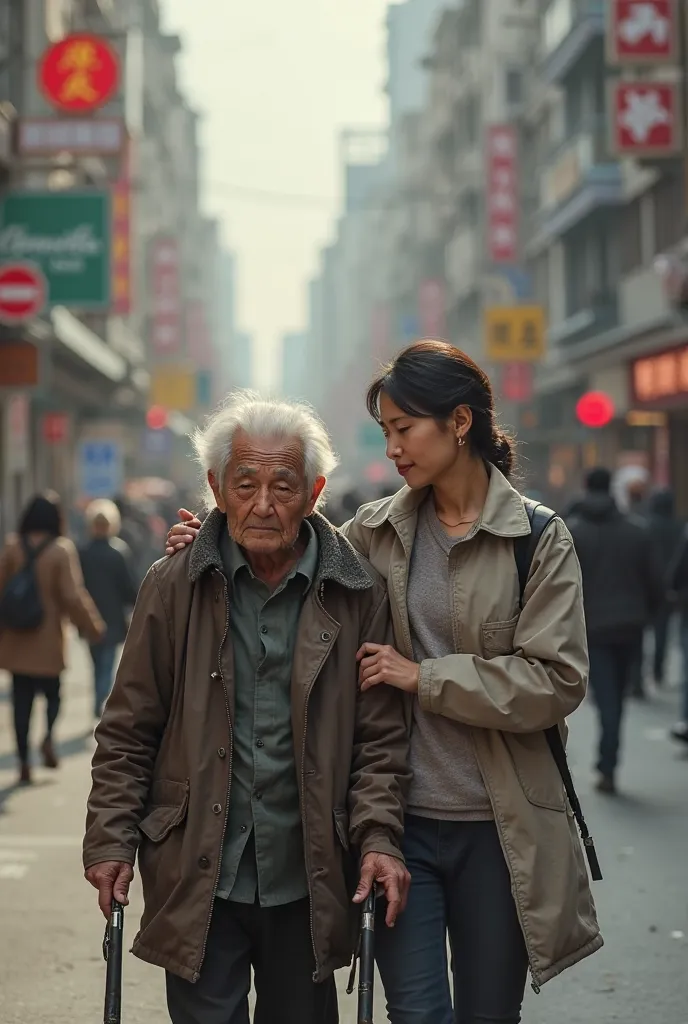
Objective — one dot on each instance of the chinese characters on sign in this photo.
(642, 31)
(165, 288)
(659, 377)
(646, 118)
(79, 74)
(502, 194)
(514, 334)
(44, 136)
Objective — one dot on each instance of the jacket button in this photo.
(259, 743)
(203, 862)
(215, 676)
(325, 637)
(221, 752)
(217, 808)
(242, 828)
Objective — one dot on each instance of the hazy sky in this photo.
(276, 80)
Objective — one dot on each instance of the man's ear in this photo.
(315, 493)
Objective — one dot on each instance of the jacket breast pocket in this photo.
(498, 637)
(166, 809)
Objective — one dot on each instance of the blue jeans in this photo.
(460, 885)
(103, 656)
(613, 668)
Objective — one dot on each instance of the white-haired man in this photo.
(236, 754)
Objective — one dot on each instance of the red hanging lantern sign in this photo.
(80, 73)
(595, 409)
(156, 418)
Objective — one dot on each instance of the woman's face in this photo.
(422, 449)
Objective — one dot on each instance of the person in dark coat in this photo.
(622, 589)
(667, 531)
(106, 565)
(678, 584)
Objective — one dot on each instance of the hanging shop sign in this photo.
(642, 33)
(55, 427)
(660, 377)
(23, 291)
(514, 334)
(166, 325)
(81, 137)
(100, 465)
(19, 364)
(67, 235)
(173, 388)
(517, 382)
(502, 193)
(79, 73)
(646, 118)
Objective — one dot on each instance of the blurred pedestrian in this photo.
(35, 656)
(678, 584)
(623, 589)
(667, 531)
(108, 576)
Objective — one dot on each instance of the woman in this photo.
(106, 563)
(35, 657)
(492, 848)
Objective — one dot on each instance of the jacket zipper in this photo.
(304, 821)
(229, 780)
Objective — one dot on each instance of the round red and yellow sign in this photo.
(79, 74)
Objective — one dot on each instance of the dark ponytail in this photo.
(432, 378)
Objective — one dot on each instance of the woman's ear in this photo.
(462, 420)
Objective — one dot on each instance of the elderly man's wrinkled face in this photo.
(265, 493)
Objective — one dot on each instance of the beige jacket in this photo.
(514, 675)
(40, 652)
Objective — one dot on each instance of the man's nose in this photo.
(263, 505)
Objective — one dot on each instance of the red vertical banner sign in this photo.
(517, 382)
(166, 332)
(121, 239)
(198, 346)
(432, 308)
(502, 193)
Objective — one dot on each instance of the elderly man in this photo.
(236, 754)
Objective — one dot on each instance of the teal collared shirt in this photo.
(263, 856)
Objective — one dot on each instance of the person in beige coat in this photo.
(35, 657)
(490, 840)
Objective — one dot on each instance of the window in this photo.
(630, 237)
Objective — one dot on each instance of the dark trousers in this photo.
(276, 943)
(459, 884)
(24, 690)
(613, 669)
(661, 634)
(684, 658)
(103, 657)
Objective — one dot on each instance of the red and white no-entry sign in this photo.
(23, 292)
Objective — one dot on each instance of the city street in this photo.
(51, 969)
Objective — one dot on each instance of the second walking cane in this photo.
(112, 953)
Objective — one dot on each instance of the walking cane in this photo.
(366, 975)
(112, 954)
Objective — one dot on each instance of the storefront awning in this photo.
(86, 344)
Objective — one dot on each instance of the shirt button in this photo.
(259, 743)
(217, 808)
(203, 862)
(263, 629)
(242, 828)
(259, 796)
(221, 752)
(325, 637)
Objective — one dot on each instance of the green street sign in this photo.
(370, 436)
(68, 235)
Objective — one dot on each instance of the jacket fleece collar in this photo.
(338, 561)
(504, 513)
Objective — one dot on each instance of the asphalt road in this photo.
(51, 971)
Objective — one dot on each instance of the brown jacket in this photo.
(514, 674)
(162, 769)
(40, 652)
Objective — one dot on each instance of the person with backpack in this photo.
(106, 562)
(40, 586)
(489, 668)
(623, 590)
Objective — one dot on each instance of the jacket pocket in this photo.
(167, 807)
(341, 826)
(537, 773)
(498, 637)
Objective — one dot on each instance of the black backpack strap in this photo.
(540, 517)
(32, 553)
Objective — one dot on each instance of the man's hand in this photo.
(182, 533)
(111, 878)
(391, 874)
(380, 663)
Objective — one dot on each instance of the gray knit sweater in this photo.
(447, 782)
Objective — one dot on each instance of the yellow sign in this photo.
(173, 388)
(514, 334)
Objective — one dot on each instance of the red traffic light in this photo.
(156, 418)
(595, 409)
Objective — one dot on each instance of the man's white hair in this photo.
(103, 512)
(263, 418)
